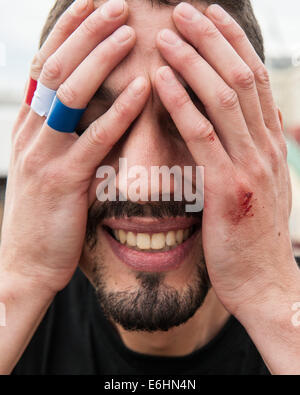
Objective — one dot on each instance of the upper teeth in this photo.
(154, 241)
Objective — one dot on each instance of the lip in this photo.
(152, 261)
(151, 225)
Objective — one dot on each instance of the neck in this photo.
(184, 339)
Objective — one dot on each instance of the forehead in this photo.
(147, 19)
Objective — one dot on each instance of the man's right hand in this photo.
(50, 172)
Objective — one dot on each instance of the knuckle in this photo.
(201, 130)
(52, 69)
(90, 27)
(67, 94)
(275, 159)
(97, 134)
(19, 142)
(238, 34)
(262, 76)
(244, 78)
(227, 98)
(208, 30)
(189, 58)
(37, 65)
(64, 26)
(283, 148)
(121, 109)
(259, 171)
(31, 161)
(180, 99)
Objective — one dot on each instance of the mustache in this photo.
(124, 209)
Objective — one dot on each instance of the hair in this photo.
(241, 11)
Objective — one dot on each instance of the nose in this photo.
(147, 143)
(150, 143)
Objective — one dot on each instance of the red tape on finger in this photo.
(30, 91)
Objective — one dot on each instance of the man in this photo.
(162, 290)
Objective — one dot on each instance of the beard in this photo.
(153, 305)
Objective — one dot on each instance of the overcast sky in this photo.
(21, 22)
(279, 20)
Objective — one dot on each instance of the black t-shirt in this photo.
(75, 338)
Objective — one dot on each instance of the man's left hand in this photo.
(247, 190)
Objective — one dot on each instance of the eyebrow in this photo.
(106, 94)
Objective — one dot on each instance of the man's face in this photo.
(144, 259)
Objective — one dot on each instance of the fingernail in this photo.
(112, 8)
(122, 34)
(138, 86)
(169, 37)
(79, 7)
(187, 11)
(218, 13)
(167, 74)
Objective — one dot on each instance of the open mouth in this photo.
(152, 242)
(152, 245)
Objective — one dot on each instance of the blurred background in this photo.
(21, 22)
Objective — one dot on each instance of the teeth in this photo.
(179, 236)
(116, 233)
(158, 241)
(171, 238)
(155, 241)
(131, 239)
(143, 241)
(122, 236)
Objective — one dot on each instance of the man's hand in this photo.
(247, 187)
(50, 172)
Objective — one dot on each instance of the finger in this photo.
(216, 50)
(77, 47)
(196, 130)
(95, 143)
(21, 118)
(220, 101)
(235, 35)
(25, 124)
(65, 26)
(94, 29)
(80, 87)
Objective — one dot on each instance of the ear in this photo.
(280, 118)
